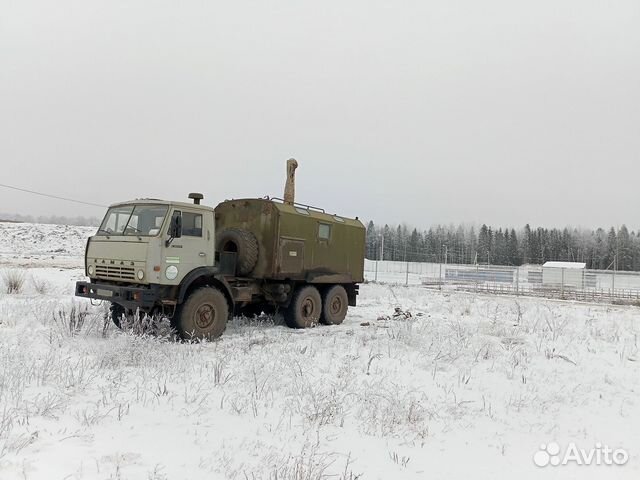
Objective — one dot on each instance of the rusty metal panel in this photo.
(291, 258)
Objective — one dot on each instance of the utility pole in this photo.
(382, 247)
(406, 281)
(615, 269)
(477, 272)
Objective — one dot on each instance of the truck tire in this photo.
(203, 315)
(335, 303)
(243, 243)
(116, 312)
(305, 308)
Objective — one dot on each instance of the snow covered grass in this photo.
(38, 245)
(377, 397)
(13, 280)
(463, 386)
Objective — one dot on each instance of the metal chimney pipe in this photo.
(290, 185)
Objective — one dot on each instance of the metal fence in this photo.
(530, 280)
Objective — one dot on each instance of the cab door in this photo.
(193, 248)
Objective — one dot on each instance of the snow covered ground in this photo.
(38, 245)
(468, 386)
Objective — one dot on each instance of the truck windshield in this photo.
(141, 220)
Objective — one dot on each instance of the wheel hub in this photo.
(205, 316)
(336, 305)
(308, 308)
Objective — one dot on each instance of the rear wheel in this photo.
(335, 304)
(203, 315)
(305, 308)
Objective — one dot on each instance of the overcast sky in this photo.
(502, 112)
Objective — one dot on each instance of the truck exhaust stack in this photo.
(290, 186)
(196, 197)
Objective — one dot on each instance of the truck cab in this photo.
(151, 242)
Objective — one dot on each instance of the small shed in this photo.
(567, 274)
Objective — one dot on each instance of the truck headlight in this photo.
(171, 272)
(91, 270)
(140, 274)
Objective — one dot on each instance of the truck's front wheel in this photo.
(116, 312)
(203, 315)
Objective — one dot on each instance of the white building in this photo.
(569, 274)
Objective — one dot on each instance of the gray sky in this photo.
(503, 112)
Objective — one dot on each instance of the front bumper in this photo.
(128, 297)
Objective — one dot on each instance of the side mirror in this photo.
(175, 230)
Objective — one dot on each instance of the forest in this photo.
(600, 249)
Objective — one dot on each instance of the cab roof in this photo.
(156, 201)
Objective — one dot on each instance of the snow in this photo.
(29, 244)
(572, 265)
(465, 386)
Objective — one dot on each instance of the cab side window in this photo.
(191, 224)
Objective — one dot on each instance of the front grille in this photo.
(115, 272)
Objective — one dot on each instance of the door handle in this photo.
(202, 254)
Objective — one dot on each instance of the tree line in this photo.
(599, 249)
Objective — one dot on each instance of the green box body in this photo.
(293, 243)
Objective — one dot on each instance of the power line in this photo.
(52, 196)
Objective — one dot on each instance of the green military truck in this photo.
(198, 266)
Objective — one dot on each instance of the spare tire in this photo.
(244, 244)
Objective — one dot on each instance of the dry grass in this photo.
(13, 280)
(40, 285)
